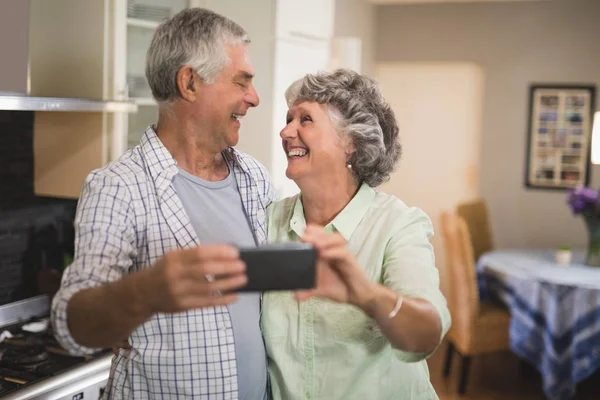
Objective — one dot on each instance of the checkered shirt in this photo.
(128, 216)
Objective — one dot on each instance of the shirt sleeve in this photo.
(409, 268)
(104, 249)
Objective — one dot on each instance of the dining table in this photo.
(555, 312)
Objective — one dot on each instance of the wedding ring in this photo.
(209, 278)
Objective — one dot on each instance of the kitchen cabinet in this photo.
(134, 24)
(311, 19)
(93, 49)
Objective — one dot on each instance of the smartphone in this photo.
(279, 266)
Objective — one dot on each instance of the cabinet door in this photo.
(134, 24)
(293, 59)
(310, 19)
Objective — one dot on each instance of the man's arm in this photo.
(105, 247)
(101, 303)
(175, 283)
(100, 317)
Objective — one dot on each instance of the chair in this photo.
(475, 214)
(477, 327)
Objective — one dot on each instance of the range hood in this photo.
(20, 102)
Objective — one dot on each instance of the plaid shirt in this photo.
(128, 216)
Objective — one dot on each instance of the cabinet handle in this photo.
(306, 36)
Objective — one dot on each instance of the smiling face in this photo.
(313, 147)
(221, 105)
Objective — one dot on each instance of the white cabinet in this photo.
(289, 39)
(294, 58)
(311, 19)
(134, 24)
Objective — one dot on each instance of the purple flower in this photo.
(581, 199)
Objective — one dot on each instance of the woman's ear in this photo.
(187, 80)
(349, 150)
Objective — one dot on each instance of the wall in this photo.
(14, 39)
(516, 44)
(414, 90)
(357, 18)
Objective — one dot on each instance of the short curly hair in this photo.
(359, 112)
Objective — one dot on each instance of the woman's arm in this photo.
(410, 281)
(415, 328)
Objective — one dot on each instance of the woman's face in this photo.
(312, 145)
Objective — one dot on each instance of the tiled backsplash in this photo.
(16, 159)
(35, 232)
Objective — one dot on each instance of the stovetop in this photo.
(27, 357)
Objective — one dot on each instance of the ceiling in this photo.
(443, 1)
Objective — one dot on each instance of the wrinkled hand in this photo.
(339, 277)
(193, 278)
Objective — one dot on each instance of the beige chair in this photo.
(477, 328)
(475, 214)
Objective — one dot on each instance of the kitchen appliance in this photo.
(34, 366)
(33, 247)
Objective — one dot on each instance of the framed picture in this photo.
(559, 136)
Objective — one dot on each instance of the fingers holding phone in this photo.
(193, 278)
(339, 276)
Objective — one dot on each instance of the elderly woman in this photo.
(377, 312)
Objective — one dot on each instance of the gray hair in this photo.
(358, 112)
(196, 37)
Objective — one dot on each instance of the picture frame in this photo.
(559, 136)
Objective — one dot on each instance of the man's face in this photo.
(222, 104)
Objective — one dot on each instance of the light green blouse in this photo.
(321, 350)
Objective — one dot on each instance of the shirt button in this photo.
(309, 357)
(308, 395)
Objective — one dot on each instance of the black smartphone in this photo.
(279, 266)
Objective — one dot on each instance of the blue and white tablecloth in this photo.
(555, 313)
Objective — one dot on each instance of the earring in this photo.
(349, 165)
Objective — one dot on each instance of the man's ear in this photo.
(187, 83)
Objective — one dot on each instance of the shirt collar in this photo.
(345, 222)
(156, 155)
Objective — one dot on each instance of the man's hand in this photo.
(185, 279)
(203, 276)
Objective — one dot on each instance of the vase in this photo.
(592, 257)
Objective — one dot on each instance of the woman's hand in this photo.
(339, 276)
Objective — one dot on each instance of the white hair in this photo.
(195, 37)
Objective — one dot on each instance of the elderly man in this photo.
(148, 266)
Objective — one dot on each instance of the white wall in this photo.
(438, 108)
(356, 18)
(517, 44)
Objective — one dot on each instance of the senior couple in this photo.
(151, 230)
